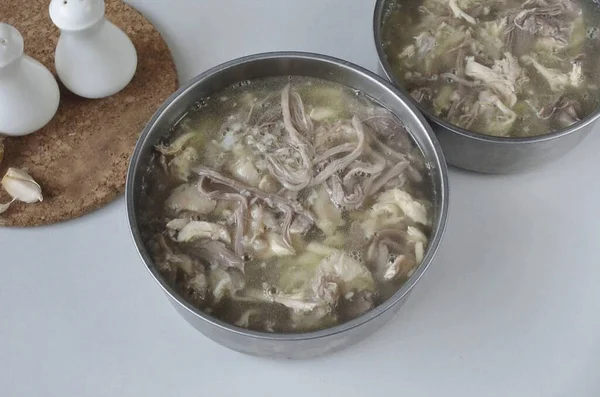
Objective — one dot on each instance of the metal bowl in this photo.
(289, 345)
(483, 153)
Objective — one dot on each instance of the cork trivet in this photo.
(80, 158)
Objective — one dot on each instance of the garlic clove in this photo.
(21, 186)
(1, 150)
(4, 207)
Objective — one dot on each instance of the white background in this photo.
(509, 308)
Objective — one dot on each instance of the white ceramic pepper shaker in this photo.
(94, 58)
(29, 94)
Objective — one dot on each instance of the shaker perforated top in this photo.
(76, 14)
(11, 45)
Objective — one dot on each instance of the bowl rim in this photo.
(438, 228)
(378, 20)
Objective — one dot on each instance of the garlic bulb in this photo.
(21, 186)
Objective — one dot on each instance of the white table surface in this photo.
(509, 308)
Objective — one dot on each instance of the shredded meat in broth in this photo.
(504, 68)
(287, 204)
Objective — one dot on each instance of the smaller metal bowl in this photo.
(483, 153)
(289, 345)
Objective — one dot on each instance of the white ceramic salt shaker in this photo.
(29, 94)
(94, 58)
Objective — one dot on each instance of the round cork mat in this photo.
(80, 158)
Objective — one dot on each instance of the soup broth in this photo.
(287, 205)
(506, 68)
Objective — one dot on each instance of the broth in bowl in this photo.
(502, 68)
(287, 205)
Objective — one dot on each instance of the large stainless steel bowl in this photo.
(482, 153)
(290, 345)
